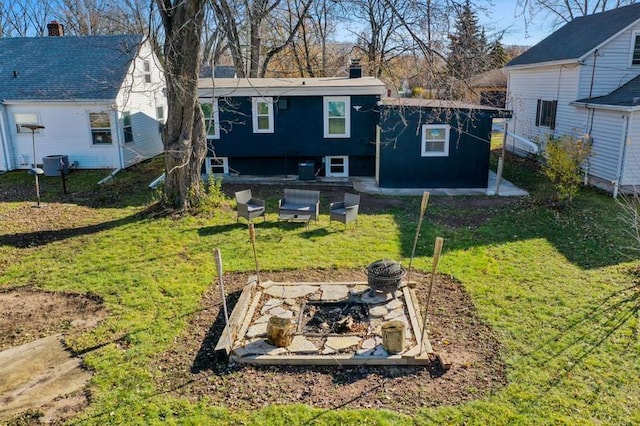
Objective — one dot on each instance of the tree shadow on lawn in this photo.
(468, 222)
(40, 238)
(585, 333)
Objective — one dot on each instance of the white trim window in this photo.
(160, 117)
(217, 165)
(634, 49)
(21, 118)
(435, 140)
(337, 166)
(337, 116)
(211, 118)
(262, 114)
(100, 128)
(126, 127)
(146, 67)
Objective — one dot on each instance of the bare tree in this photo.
(184, 133)
(378, 31)
(99, 17)
(563, 11)
(23, 18)
(243, 23)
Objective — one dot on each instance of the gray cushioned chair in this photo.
(345, 211)
(248, 206)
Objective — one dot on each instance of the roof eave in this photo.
(573, 61)
(623, 108)
(55, 101)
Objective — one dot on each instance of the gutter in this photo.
(621, 156)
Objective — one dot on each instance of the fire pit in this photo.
(385, 276)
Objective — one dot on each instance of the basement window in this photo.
(435, 140)
(546, 114)
(100, 128)
(217, 165)
(262, 115)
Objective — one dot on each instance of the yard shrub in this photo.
(212, 197)
(563, 157)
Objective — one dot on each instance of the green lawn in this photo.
(560, 288)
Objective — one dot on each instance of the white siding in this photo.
(525, 87)
(613, 67)
(67, 132)
(607, 134)
(140, 99)
(631, 164)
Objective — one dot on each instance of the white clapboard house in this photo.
(100, 99)
(584, 80)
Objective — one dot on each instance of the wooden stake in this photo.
(423, 209)
(252, 237)
(436, 257)
(218, 256)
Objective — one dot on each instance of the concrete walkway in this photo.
(368, 185)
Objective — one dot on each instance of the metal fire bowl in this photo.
(385, 275)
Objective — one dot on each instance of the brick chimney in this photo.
(55, 29)
(355, 69)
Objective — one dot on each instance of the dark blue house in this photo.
(269, 126)
(433, 144)
(343, 127)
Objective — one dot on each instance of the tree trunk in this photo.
(184, 133)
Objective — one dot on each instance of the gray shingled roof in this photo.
(65, 68)
(627, 95)
(580, 36)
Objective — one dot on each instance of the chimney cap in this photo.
(55, 29)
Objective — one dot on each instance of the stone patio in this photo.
(315, 341)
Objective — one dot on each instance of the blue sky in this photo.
(502, 16)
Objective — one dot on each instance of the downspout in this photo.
(593, 76)
(119, 145)
(3, 140)
(621, 156)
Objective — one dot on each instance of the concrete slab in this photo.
(36, 373)
(368, 185)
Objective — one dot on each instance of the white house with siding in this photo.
(582, 80)
(100, 99)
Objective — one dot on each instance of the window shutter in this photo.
(538, 112)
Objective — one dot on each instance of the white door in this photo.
(337, 166)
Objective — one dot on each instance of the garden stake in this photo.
(218, 256)
(252, 237)
(436, 256)
(423, 209)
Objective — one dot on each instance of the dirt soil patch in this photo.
(28, 314)
(190, 370)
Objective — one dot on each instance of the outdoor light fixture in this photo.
(35, 170)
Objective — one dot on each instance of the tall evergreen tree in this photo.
(498, 56)
(468, 47)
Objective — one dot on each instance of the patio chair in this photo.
(248, 206)
(345, 211)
